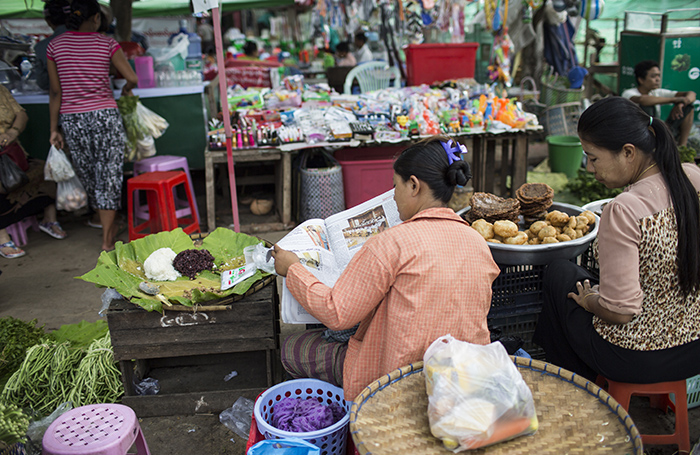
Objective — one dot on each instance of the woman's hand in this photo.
(283, 260)
(56, 139)
(8, 137)
(585, 290)
(127, 92)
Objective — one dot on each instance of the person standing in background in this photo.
(206, 32)
(362, 52)
(55, 13)
(81, 96)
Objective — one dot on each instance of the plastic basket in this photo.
(331, 440)
(517, 288)
(555, 90)
(693, 387)
(562, 119)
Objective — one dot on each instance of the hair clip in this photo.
(453, 152)
(77, 13)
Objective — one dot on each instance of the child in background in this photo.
(343, 56)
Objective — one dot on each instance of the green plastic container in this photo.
(565, 154)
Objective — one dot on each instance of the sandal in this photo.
(19, 252)
(92, 224)
(49, 229)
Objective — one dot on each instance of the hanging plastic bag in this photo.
(11, 176)
(154, 124)
(476, 395)
(291, 446)
(57, 167)
(145, 147)
(179, 46)
(70, 195)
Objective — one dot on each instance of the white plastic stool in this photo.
(164, 163)
(18, 231)
(95, 429)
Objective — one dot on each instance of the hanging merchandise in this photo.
(414, 22)
(490, 7)
(592, 9)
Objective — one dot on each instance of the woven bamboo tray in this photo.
(390, 416)
(225, 303)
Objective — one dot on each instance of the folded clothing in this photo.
(301, 416)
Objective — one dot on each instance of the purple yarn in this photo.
(301, 416)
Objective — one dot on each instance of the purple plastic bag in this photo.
(301, 416)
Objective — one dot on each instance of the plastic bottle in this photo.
(25, 67)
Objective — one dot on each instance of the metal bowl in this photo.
(544, 254)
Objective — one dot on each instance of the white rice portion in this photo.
(159, 265)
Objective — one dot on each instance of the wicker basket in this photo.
(555, 90)
(562, 119)
(575, 416)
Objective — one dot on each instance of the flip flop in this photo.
(48, 228)
(93, 224)
(11, 244)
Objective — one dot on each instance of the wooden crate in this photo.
(191, 352)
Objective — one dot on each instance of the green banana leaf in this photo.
(122, 268)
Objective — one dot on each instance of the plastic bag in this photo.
(145, 147)
(258, 255)
(291, 446)
(147, 386)
(11, 176)
(70, 195)
(37, 428)
(238, 417)
(476, 395)
(179, 46)
(107, 297)
(155, 124)
(57, 167)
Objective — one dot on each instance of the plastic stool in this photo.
(164, 163)
(18, 231)
(96, 429)
(162, 215)
(659, 397)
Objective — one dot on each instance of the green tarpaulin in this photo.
(13, 9)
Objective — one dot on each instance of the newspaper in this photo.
(325, 247)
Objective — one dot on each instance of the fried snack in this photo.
(563, 237)
(549, 231)
(571, 233)
(493, 241)
(581, 221)
(505, 228)
(534, 241)
(572, 222)
(549, 240)
(536, 226)
(518, 239)
(498, 237)
(531, 235)
(557, 218)
(484, 228)
(493, 208)
(579, 233)
(590, 215)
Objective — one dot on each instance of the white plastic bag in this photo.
(155, 124)
(145, 147)
(179, 46)
(476, 395)
(57, 167)
(70, 195)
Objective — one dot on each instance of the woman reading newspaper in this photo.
(426, 277)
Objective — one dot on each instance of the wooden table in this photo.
(282, 180)
(190, 353)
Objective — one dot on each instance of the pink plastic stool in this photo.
(18, 231)
(164, 163)
(96, 429)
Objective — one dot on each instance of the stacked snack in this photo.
(556, 227)
(535, 199)
(492, 208)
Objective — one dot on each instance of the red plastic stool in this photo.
(164, 163)
(659, 396)
(162, 214)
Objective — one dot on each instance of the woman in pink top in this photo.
(426, 277)
(82, 101)
(640, 322)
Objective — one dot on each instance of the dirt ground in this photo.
(42, 285)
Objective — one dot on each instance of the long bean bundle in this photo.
(53, 373)
(97, 379)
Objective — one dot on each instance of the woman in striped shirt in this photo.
(80, 96)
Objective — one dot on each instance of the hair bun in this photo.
(458, 173)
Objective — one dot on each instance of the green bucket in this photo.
(565, 154)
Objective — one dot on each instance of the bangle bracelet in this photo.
(585, 296)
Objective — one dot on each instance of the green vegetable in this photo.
(135, 130)
(687, 154)
(80, 335)
(588, 189)
(122, 268)
(16, 336)
(13, 424)
(681, 62)
(53, 373)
